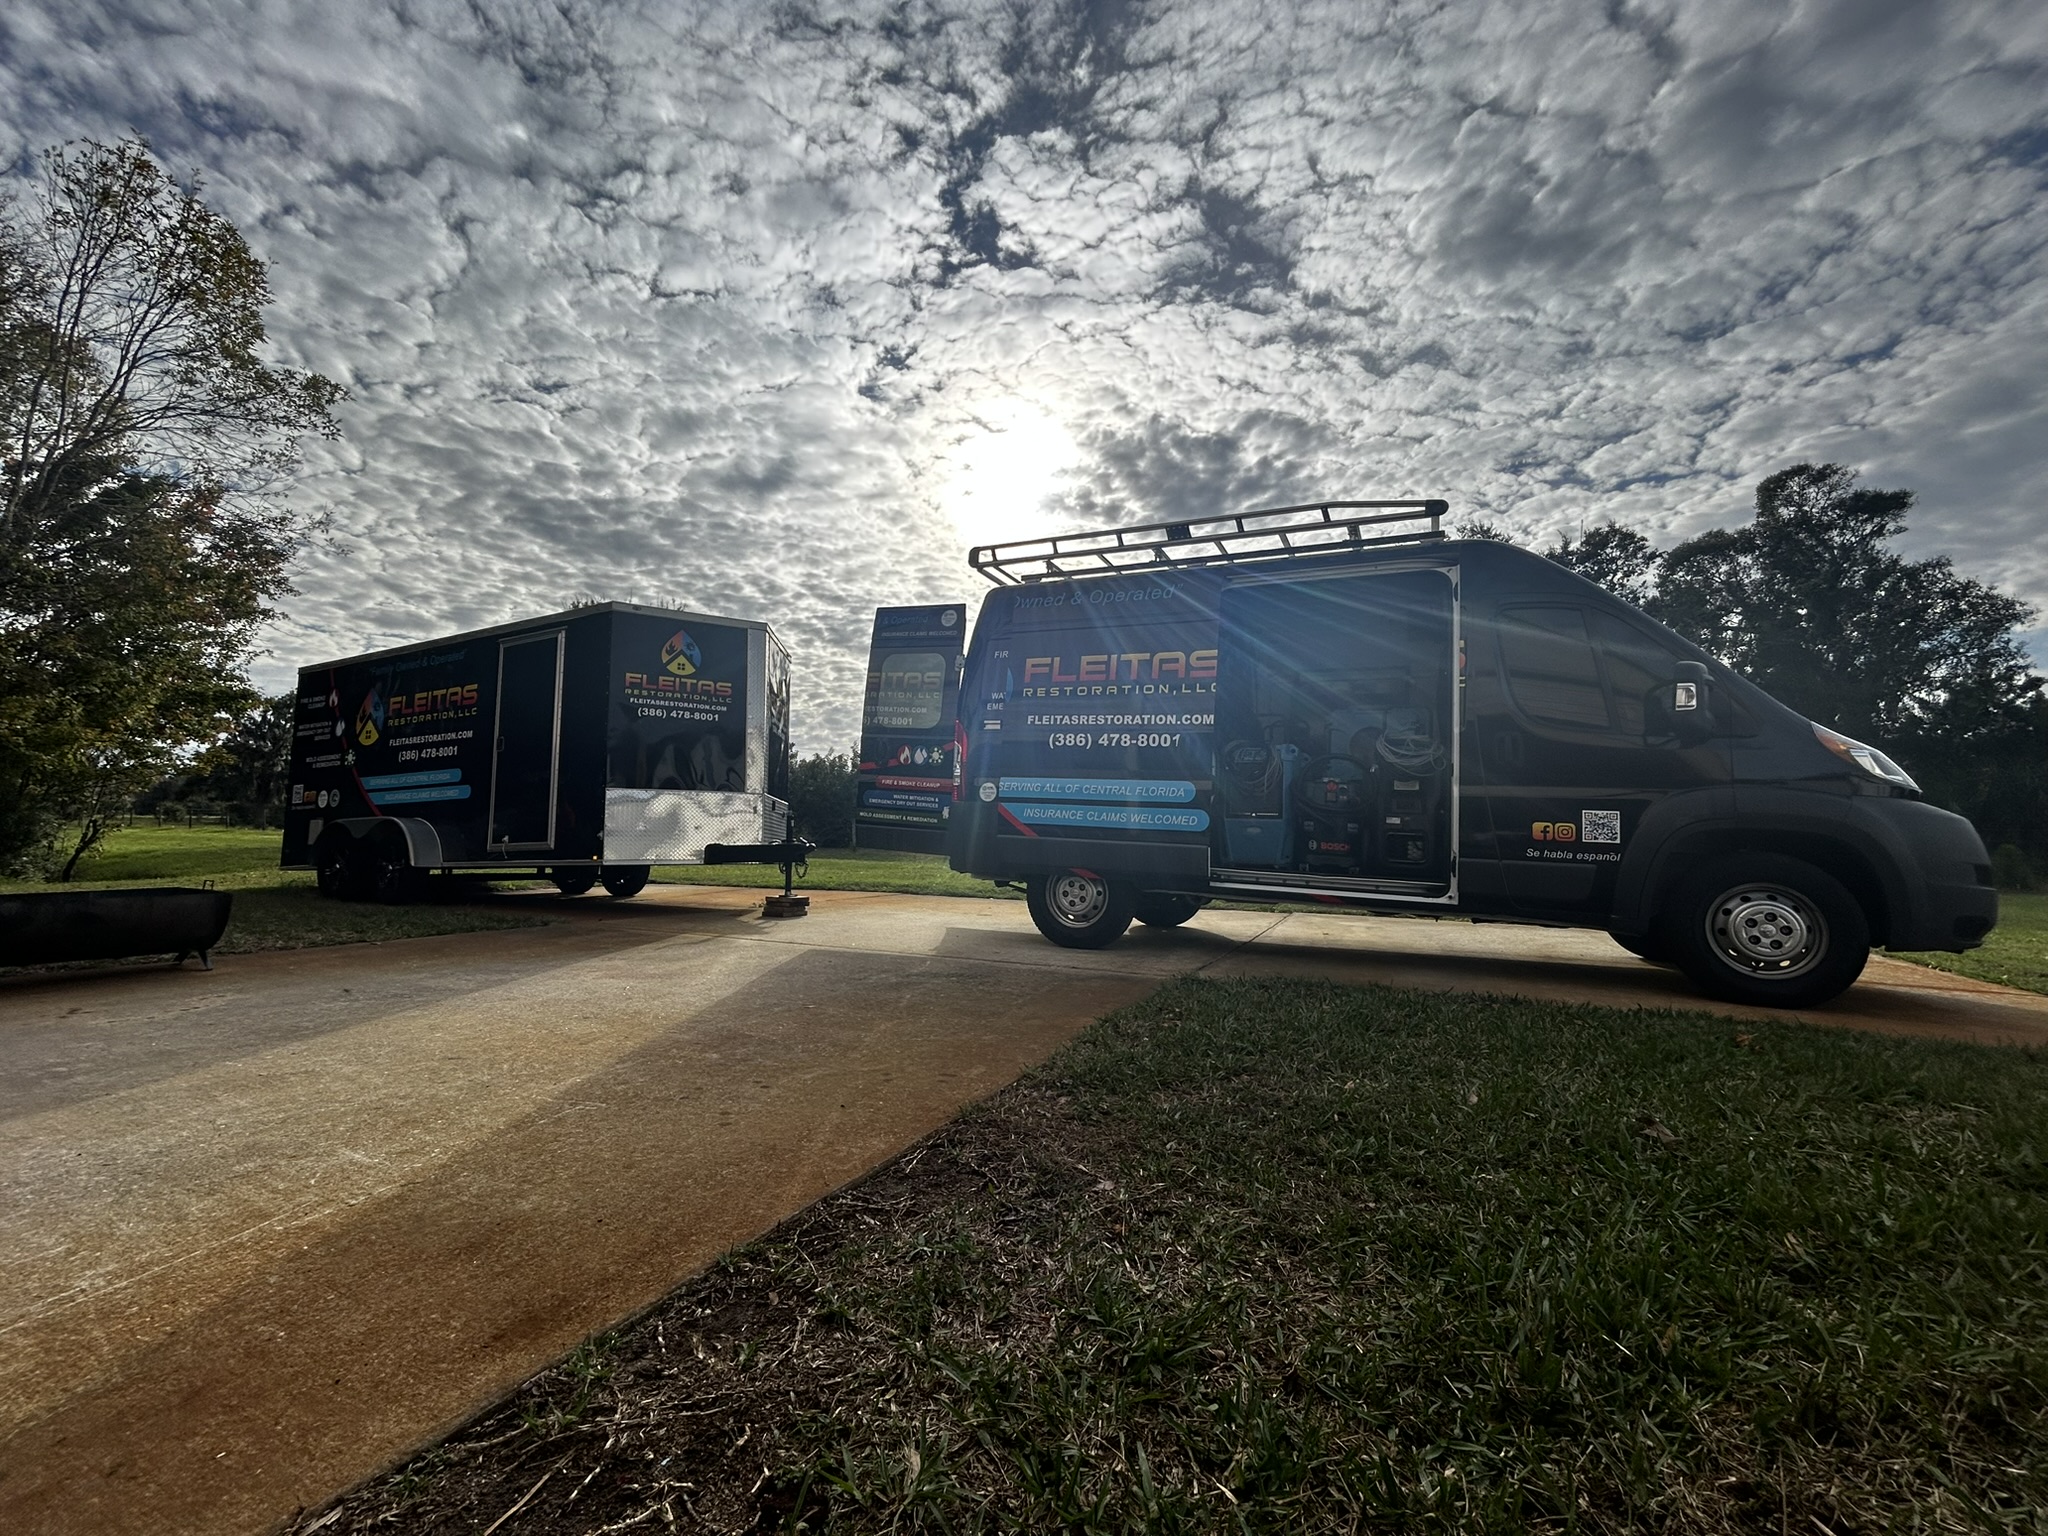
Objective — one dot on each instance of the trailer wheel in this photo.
(337, 868)
(1156, 909)
(623, 880)
(1765, 929)
(388, 873)
(1078, 910)
(574, 879)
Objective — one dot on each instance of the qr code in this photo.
(1599, 826)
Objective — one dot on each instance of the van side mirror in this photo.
(1689, 698)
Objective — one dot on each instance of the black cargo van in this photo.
(1339, 704)
(583, 746)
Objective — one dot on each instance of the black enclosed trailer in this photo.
(1338, 704)
(584, 746)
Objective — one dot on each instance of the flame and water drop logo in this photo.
(680, 655)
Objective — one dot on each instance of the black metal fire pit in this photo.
(44, 927)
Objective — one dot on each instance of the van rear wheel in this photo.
(1160, 910)
(1077, 909)
(1764, 929)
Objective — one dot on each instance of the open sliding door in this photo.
(1337, 732)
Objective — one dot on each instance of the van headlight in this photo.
(1869, 759)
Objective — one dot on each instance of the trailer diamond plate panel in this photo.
(672, 826)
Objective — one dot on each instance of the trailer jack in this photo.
(791, 856)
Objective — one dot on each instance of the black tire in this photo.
(388, 872)
(1077, 910)
(1765, 929)
(337, 868)
(574, 880)
(623, 880)
(1643, 946)
(1159, 909)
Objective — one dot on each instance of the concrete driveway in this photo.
(269, 1228)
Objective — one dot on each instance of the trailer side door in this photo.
(526, 764)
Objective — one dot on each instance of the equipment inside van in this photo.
(584, 747)
(1337, 703)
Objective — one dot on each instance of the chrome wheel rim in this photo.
(1077, 900)
(1767, 930)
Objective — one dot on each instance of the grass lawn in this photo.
(843, 869)
(1271, 1256)
(297, 917)
(274, 908)
(146, 854)
(2015, 953)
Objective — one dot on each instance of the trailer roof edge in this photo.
(541, 621)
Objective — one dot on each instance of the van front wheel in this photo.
(1077, 909)
(1761, 928)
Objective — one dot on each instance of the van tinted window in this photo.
(1591, 670)
(1551, 670)
(1637, 669)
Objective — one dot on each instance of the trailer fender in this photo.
(422, 841)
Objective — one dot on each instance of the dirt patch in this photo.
(679, 1420)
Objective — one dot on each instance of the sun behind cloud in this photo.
(1004, 470)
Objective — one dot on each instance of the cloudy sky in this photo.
(773, 309)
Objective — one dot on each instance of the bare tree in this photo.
(133, 314)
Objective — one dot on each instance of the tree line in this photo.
(144, 542)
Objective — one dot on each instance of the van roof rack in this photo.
(1274, 532)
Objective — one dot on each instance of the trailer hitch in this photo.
(792, 856)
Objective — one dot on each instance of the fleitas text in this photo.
(1122, 666)
(679, 687)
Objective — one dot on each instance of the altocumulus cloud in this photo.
(772, 310)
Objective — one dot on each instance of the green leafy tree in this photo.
(1810, 602)
(1617, 558)
(821, 794)
(250, 765)
(141, 437)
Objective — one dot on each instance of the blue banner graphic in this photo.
(407, 780)
(418, 796)
(1130, 791)
(1110, 816)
